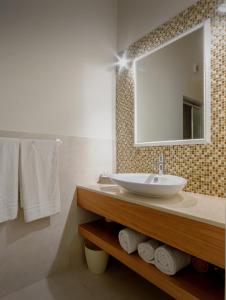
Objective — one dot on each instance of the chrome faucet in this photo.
(161, 164)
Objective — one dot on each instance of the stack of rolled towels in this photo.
(167, 259)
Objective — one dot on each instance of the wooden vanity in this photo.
(190, 222)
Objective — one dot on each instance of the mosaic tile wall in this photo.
(204, 166)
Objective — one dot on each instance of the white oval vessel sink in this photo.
(150, 184)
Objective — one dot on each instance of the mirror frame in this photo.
(206, 89)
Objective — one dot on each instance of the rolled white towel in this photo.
(146, 250)
(129, 239)
(170, 260)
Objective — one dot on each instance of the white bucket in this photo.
(96, 258)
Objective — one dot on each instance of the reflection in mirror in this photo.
(169, 91)
(192, 119)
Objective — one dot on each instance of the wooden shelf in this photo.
(196, 238)
(185, 285)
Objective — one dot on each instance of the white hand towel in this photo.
(146, 250)
(129, 239)
(170, 260)
(39, 184)
(9, 160)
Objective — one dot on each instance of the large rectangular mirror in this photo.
(172, 91)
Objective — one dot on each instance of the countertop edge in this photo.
(163, 209)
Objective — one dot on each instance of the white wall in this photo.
(56, 80)
(55, 74)
(138, 17)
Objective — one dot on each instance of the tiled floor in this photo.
(118, 283)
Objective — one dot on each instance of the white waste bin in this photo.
(96, 258)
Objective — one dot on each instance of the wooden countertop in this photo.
(207, 209)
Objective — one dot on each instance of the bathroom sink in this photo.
(150, 184)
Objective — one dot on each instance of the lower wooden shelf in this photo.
(185, 285)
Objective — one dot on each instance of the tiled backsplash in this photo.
(204, 166)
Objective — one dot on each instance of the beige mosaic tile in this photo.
(204, 166)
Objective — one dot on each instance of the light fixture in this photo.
(122, 61)
(222, 8)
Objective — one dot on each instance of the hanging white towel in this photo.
(9, 160)
(129, 239)
(146, 250)
(39, 184)
(170, 260)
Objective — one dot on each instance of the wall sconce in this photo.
(122, 62)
